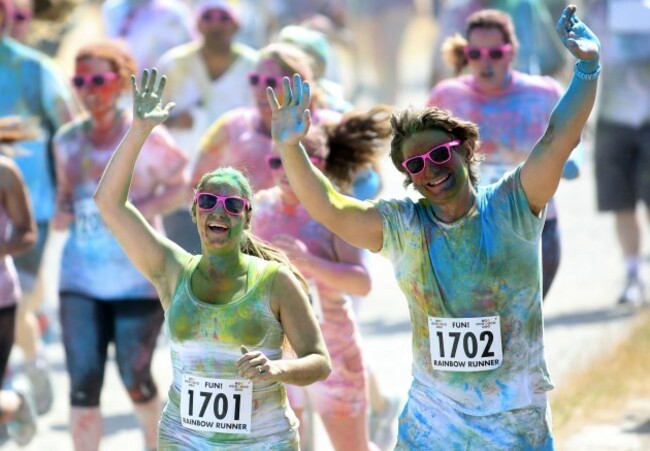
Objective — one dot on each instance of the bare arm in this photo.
(348, 274)
(154, 255)
(357, 222)
(541, 172)
(13, 193)
(300, 326)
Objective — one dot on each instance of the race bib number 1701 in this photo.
(465, 344)
(216, 405)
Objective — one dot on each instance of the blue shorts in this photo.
(428, 425)
(89, 325)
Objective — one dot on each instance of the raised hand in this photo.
(291, 117)
(577, 37)
(147, 101)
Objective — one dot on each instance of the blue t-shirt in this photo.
(485, 264)
(32, 89)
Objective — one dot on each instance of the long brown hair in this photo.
(351, 144)
(250, 244)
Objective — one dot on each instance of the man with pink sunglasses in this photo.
(466, 257)
(492, 94)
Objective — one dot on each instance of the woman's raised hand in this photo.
(291, 116)
(577, 37)
(147, 101)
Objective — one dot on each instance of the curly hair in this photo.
(409, 122)
(355, 142)
(453, 47)
(116, 53)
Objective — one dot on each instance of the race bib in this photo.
(88, 222)
(465, 344)
(216, 405)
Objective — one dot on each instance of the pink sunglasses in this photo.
(255, 79)
(495, 53)
(233, 205)
(437, 155)
(97, 80)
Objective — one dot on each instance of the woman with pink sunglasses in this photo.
(228, 310)
(103, 297)
(511, 108)
(242, 137)
(335, 270)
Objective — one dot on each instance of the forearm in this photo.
(571, 113)
(304, 370)
(113, 189)
(346, 277)
(314, 190)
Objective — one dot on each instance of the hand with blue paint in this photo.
(291, 116)
(577, 37)
(148, 109)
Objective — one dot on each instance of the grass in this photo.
(600, 392)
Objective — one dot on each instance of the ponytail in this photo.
(356, 142)
(453, 53)
(255, 247)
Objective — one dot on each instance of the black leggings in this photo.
(89, 325)
(7, 331)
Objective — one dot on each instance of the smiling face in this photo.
(442, 184)
(217, 228)
(491, 75)
(101, 99)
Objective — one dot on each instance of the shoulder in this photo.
(180, 54)
(8, 169)
(397, 208)
(448, 89)
(11, 179)
(285, 283)
(245, 52)
(71, 132)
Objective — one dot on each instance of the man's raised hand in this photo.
(577, 37)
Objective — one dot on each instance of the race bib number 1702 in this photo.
(216, 405)
(465, 344)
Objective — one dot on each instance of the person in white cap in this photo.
(208, 77)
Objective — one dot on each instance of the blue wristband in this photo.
(584, 75)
